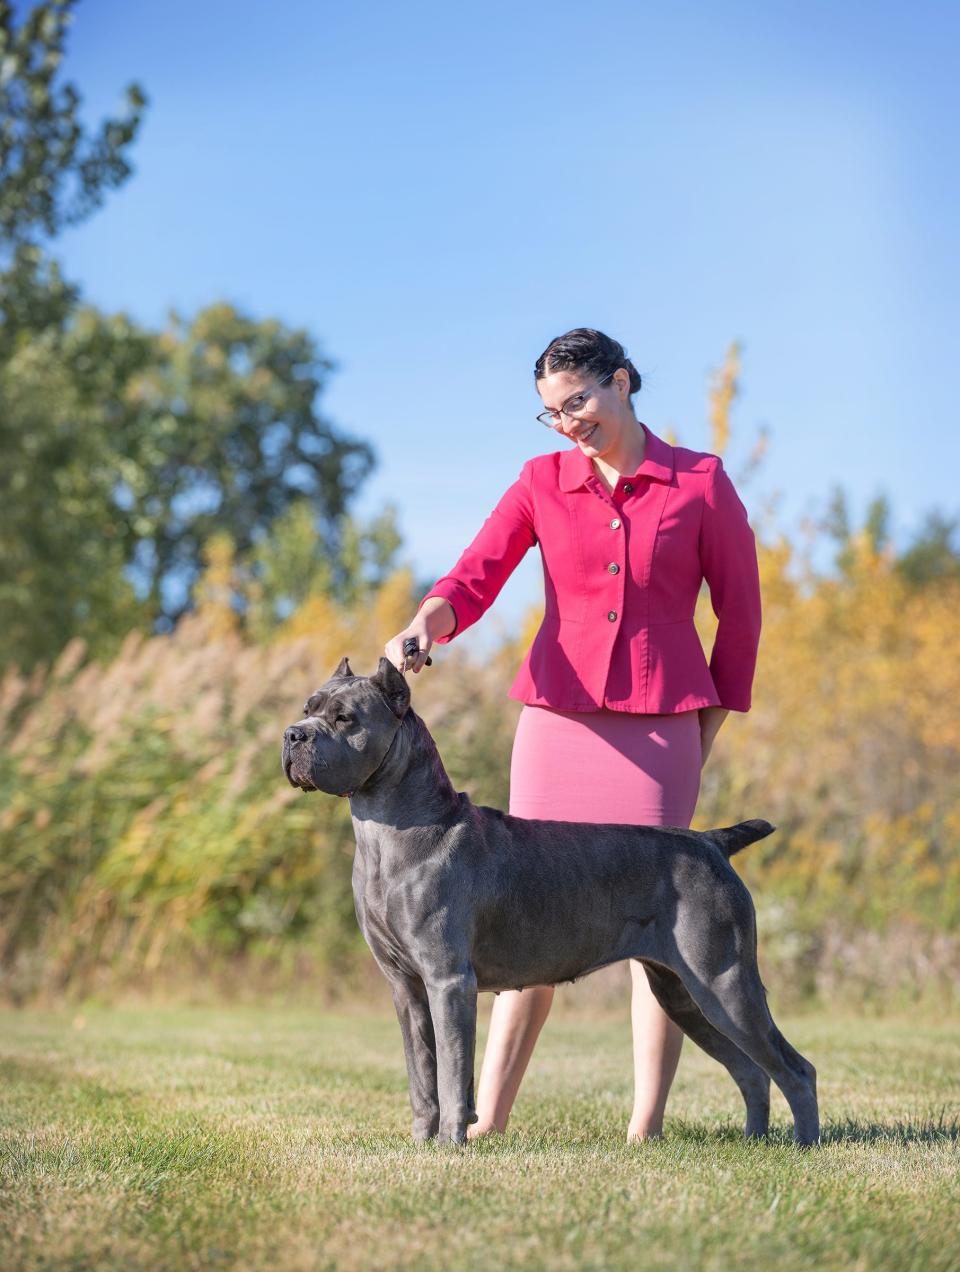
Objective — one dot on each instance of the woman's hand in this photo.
(435, 617)
(711, 719)
(393, 649)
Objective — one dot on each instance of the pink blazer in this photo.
(621, 575)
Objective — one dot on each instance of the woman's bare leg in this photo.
(515, 1023)
(656, 1053)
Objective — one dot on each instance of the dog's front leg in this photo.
(420, 1050)
(453, 1006)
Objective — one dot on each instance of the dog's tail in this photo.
(730, 839)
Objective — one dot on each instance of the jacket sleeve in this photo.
(728, 555)
(475, 581)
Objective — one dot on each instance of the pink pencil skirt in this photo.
(605, 766)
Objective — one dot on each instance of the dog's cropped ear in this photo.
(343, 668)
(393, 687)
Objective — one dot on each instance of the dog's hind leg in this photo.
(754, 1083)
(733, 1001)
(420, 1050)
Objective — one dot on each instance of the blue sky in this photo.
(437, 190)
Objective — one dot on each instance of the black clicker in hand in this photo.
(411, 649)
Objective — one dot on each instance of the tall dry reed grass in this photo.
(148, 837)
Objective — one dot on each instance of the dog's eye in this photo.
(342, 719)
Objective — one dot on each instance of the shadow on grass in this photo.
(679, 1134)
(942, 1130)
(938, 1129)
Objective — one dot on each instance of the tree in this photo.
(212, 427)
(42, 145)
(61, 558)
(60, 565)
(52, 174)
(932, 556)
(126, 449)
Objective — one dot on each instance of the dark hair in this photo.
(588, 350)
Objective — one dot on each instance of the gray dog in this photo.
(453, 898)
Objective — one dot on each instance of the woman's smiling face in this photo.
(598, 424)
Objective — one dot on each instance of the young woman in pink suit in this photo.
(620, 707)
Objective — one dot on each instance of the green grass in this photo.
(186, 1138)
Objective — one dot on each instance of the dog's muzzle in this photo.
(295, 739)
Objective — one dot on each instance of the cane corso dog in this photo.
(454, 897)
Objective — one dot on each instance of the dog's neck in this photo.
(410, 787)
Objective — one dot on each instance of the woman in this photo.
(620, 708)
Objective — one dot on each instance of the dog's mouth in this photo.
(298, 776)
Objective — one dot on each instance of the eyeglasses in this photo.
(573, 407)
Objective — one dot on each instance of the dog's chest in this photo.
(392, 898)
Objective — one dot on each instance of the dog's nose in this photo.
(295, 734)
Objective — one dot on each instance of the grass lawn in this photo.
(184, 1138)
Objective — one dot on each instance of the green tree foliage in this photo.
(213, 429)
(126, 449)
(932, 555)
(52, 175)
(61, 563)
(61, 556)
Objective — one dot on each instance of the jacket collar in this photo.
(658, 463)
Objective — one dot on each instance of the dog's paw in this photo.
(453, 1137)
(425, 1128)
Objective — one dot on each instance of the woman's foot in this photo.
(476, 1131)
(636, 1133)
